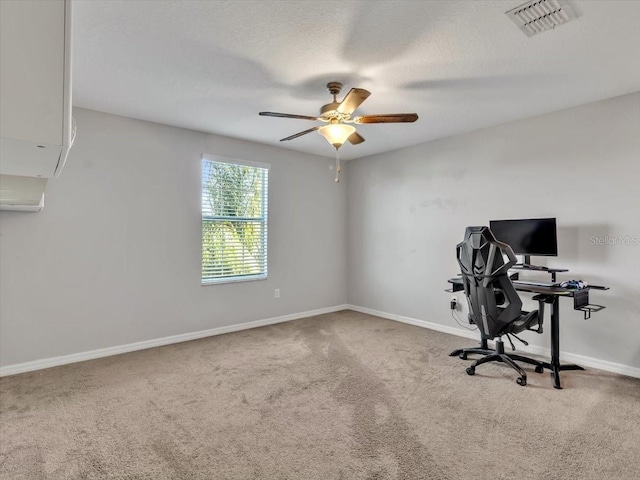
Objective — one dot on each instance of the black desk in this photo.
(554, 294)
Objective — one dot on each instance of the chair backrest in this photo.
(492, 298)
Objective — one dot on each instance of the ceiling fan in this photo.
(339, 113)
(337, 116)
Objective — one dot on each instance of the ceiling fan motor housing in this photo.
(329, 110)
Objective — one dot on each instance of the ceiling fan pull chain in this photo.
(338, 168)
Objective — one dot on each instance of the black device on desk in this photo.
(529, 237)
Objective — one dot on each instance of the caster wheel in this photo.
(539, 369)
(463, 356)
(522, 381)
(471, 371)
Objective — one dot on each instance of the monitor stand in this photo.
(526, 265)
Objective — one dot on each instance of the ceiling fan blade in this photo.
(355, 138)
(299, 134)
(287, 115)
(387, 118)
(353, 100)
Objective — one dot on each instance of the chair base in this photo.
(463, 352)
(499, 355)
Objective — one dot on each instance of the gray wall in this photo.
(114, 257)
(407, 210)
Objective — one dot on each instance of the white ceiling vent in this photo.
(539, 15)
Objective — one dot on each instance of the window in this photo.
(234, 221)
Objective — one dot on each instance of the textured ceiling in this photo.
(461, 65)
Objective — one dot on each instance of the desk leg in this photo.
(555, 366)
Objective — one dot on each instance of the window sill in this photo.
(218, 281)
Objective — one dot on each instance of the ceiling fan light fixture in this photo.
(336, 133)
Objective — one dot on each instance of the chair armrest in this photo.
(542, 299)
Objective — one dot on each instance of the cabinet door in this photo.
(32, 56)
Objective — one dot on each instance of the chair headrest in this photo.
(478, 236)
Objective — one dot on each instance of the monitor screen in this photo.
(534, 236)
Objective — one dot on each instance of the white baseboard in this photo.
(157, 342)
(533, 349)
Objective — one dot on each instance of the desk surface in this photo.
(548, 290)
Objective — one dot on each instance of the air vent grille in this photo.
(537, 16)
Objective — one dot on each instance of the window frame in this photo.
(263, 220)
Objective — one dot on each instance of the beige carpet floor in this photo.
(338, 396)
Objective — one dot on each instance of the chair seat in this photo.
(526, 321)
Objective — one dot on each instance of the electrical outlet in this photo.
(276, 293)
(454, 303)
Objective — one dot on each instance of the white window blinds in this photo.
(234, 221)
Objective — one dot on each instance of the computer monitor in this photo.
(533, 236)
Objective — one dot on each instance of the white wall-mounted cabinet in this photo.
(35, 98)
